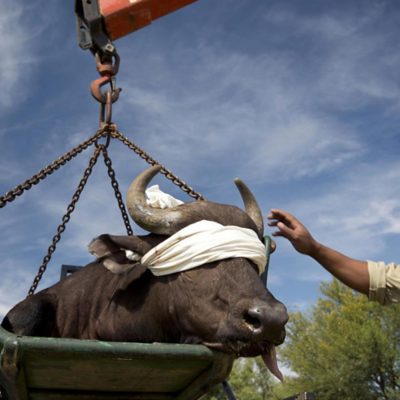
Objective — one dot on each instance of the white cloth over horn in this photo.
(156, 198)
(201, 243)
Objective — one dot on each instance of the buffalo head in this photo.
(223, 304)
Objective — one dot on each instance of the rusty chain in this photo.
(107, 131)
(49, 169)
(65, 220)
(114, 184)
(166, 172)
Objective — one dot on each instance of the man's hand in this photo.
(351, 272)
(293, 230)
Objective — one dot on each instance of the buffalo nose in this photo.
(267, 321)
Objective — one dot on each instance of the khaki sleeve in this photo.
(384, 282)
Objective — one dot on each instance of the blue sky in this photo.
(300, 99)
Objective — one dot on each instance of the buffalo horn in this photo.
(155, 220)
(168, 221)
(251, 206)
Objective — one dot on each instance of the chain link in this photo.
(48, 170)
(166, 172)
(65, 219)
(114, 184)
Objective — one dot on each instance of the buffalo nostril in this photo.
(253, 317)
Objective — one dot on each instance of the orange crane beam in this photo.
(102, 21)
(122, 17)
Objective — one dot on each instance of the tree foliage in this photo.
(347, 348)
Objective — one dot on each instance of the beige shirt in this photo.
(384, 282)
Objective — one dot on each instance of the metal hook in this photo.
(107, 69)
(97, 84)
(106, 110)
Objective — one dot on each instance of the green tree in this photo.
(346, 347)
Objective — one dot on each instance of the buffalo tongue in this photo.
(269, 358)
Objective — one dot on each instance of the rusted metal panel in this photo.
(12, 377)
(122, 17)
(67, 369)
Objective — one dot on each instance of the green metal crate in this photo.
(70, 369)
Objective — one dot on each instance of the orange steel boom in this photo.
(122, 17)
(100, 22)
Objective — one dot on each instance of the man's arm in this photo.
(351, 272)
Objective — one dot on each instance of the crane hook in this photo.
(107, 70)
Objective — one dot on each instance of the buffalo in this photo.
(222, 304)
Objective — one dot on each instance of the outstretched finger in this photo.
(286, 231)
(276, 234)
(283, 216)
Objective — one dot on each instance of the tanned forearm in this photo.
(351, 272)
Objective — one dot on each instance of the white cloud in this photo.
(14, 283)
(303, 146)
(249, 112)
(354, 57)
(17, 53)
(355, 214)
(21, 41)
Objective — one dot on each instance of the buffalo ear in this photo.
(105, 245)
(113, 251)
(119, 264)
